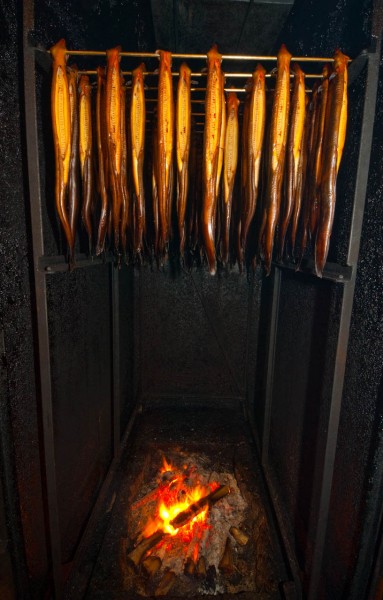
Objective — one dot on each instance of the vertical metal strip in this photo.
(276, 291)
(345, 317)
(116, 359)
(41, 298)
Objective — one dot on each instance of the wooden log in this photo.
(201, 568)
(189, 569)
(166, 583)
(138, 553)
(197, 507)
(226, 563)
(146, 544)
(150, 565)
(240, 537)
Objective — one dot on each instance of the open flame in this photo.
(181, 489)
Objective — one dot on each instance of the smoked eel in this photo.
(301, 180)
(165, 141)
(156, 225)
(334, 138)
(137, 133)
(125, 206)
(61, 123)
(229, 171)
(253, 149)
(312, 118)
(277, 151)
(213, 117)
(316, 166)
(113, 131)
(86, 154)
(183, 129)
(294, 151)
(74, 174)
(102, 162)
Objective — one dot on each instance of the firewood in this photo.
(226, 563)
(201, 568)
(166, 583)
(150, 565)
(240, 537)
(189, 567)
(138, 553)
(194, 509)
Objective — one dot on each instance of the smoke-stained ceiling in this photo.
(236, 26)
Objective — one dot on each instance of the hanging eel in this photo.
(244, 170)
(183, 129)
(74, 180)
(113, 129)
(294, 151)
(229, 171)
(277, 151)
(221, 136)
(86, 154)
(125, 207)
(315, 173)
(301, 179)
(213, 117)
(102, 153)
(165, 142)
(312, 118)
(334, 138)
(253, 150)
(61, 124)
(156, 224)
(137, 132)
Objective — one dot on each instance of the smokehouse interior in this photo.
(191, 300)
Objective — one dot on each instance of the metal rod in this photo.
(332, 271)
(273, 328)
(232, 75)
(116, 408)
(44, 374)
(345, 316)
(314, 59)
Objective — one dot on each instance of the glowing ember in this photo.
(181, 490)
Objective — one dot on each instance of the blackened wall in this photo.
(20, 460)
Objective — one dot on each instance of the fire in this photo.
(181, 490)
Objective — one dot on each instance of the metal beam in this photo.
(44, 375)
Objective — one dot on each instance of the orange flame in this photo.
(174, 498)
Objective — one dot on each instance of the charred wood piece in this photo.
(240, 537)
(166, 583)
(226, 564)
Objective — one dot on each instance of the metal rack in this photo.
(47, 265)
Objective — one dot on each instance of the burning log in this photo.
(240, 537)
(189, 569)
(197, 507)
(146, 544)
(151, 564)
(138, 553)
(201, 568)
(226, 563)
(165, 584)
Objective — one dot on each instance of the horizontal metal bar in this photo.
(316, 59)
(58, 264)
(332, 271)
(203, 74)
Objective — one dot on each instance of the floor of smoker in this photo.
(215, 440)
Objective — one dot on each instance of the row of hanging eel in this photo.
(289, 162)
